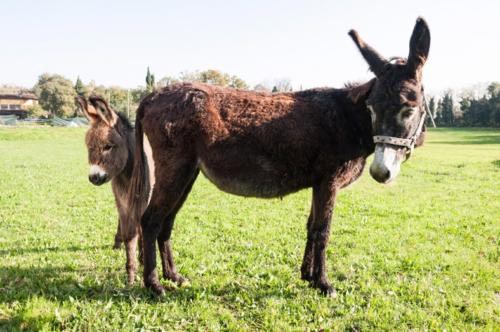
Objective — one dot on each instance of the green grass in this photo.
(422, 253)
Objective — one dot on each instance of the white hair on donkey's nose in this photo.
(386, 163)
(97, 170)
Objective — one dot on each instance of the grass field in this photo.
(422, 253)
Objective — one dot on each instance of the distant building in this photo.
(17, 104)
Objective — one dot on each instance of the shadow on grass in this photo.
(61, 283)
(496, 163)
(472, 140)
(66, 283)
(37, 250)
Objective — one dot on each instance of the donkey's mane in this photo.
(125, 121)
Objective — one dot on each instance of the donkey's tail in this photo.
(138, 191)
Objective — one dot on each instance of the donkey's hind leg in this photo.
(172, 179)
(129, 236)
(164, 246)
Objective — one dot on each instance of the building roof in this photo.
(23, 96)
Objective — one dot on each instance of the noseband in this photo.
(408, 143)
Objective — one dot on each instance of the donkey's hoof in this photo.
(177, 279)
(306, 276)
(181, 281)
(157, 289)
(117, 245)
(130, 280)
(325, 288)
(328, 291)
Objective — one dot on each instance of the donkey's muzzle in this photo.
(98, 179)
(386, 163)
(97, 175)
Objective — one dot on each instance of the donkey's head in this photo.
(396, 102)
(107, 140)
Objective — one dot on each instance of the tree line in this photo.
(56, 93)
(469, 111)
(56, 97)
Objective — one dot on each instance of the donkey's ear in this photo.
(103, 110)
(88, 110)
(360, 93)
(376, 62)
(420, 43)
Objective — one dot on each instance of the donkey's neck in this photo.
(361, 117)
(122, 180)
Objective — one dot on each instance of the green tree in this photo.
(482, 111)
(214, 77)
(99, 90)
(432, 110)
(150, 81)
(237, 83)
(56, 94)
(80, 87)
(166, 81)
(465, 106)
(275, 89)
(448, 117)
(494, 103)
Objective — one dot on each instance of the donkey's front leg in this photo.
(306, 269)
(129, 234)
(323, 202)
(131, 265)
(118, 236)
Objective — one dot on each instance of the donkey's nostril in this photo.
(93, 178)
(381, 174)
(386, 175)
(97, 179)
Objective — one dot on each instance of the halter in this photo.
(408, 143)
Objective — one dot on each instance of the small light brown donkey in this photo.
(110, 143)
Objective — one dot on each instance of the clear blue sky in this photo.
(112, 42)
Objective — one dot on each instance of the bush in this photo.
(36, 111)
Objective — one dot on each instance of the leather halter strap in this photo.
(408, 143)
(405, 142)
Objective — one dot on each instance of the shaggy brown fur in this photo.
(267, 145)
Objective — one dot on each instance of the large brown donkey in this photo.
(270, 145)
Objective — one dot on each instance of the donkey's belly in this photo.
(261, 180)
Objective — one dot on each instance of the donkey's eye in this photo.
(108, 147)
